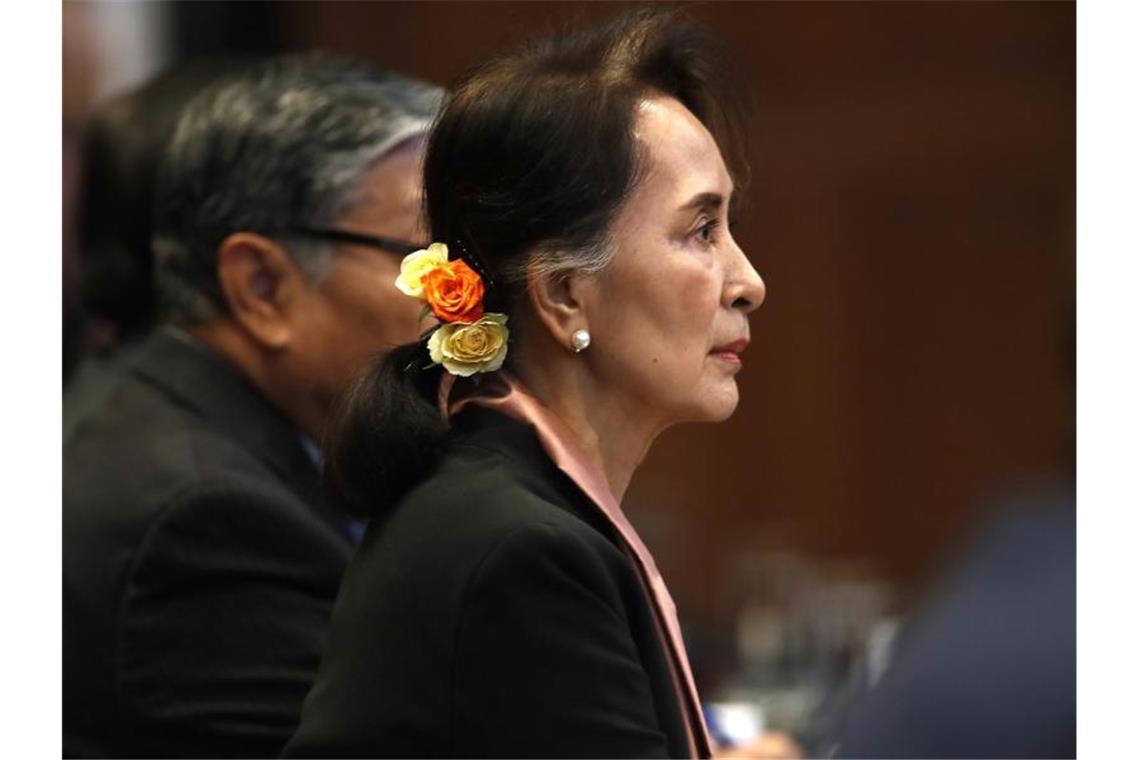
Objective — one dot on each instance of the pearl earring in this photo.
(580, 340)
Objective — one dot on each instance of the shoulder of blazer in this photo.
(479, 496)
(497, 480)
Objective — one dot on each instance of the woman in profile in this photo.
(588, 294)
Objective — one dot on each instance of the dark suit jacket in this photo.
(988, 668)
(492, 614)
(199, 570)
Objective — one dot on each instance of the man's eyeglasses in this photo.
(391, 245)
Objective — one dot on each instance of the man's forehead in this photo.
(391, 190)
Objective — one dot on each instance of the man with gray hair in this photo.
(199, 563)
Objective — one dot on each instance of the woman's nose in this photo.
(744, 289)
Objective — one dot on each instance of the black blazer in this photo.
(199, 570)
(492, 614)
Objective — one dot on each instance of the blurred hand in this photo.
(773, 745)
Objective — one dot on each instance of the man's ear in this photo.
(558, 301)
(260, 283)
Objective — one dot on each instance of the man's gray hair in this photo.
(282, 145)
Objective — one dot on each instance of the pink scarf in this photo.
(505, 394)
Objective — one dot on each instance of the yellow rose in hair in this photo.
(416, 265)
(467, 348)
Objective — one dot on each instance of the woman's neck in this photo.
(614, 437)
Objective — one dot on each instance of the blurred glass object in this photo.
(804, 627)
(734, 723)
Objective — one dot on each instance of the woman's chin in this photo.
(719, 403)
(724, 414)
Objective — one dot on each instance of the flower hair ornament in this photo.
(467, 341)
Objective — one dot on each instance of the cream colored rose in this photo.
(465, 349)
(416, 265)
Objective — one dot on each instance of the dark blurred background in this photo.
(912, 211)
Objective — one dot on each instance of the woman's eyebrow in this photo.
(704, 201)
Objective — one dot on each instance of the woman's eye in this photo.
(707, 231)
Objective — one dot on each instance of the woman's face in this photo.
(669, 315)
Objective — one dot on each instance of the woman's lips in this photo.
(730, 353)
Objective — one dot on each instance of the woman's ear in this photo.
(559, 302)
(260, 283)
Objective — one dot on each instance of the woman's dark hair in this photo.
(527, 165)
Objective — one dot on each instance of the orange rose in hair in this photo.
(454, 291)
